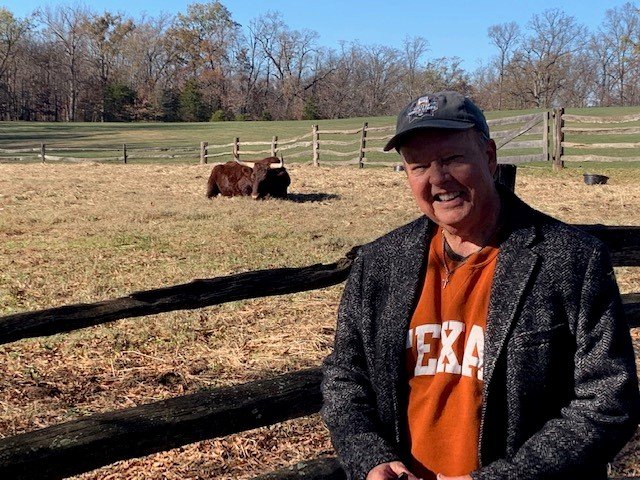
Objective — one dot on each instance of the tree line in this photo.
(68, 63)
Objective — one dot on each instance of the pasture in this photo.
(90, 232)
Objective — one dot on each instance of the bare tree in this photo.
(12, 32)
(538, 68)
(601, 58)
(619, 31)
(106, 36)
(64, 25)
(505, 37)
(250, 69)
(153, 53)
(413, 49)
(291, 55)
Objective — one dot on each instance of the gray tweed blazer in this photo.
(560, 387)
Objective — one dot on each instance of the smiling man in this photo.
(484, 340)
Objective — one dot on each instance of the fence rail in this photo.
(75, 447)
(604, 119)
(196, 294)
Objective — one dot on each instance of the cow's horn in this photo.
(246, 164)
(277, 165)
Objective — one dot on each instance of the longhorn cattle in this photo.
(260, 181)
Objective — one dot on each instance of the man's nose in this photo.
(439, 173)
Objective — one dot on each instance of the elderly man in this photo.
(484, 340)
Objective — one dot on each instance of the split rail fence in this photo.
(121, 154)
(595, 138)
(81, 445)
(527, 136)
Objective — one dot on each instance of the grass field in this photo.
(103, 141)
(88, 232)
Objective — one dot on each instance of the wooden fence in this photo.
(527, 135)
(359, 146)
(589, 139)
(313, 146)
(120, 154)
(81, 445)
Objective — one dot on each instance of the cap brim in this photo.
(399, 138)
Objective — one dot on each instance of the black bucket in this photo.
(595, 179)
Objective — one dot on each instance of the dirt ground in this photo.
(90, 232)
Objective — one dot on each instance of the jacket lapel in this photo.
(516, 264)
(513, 271)
(405, 274)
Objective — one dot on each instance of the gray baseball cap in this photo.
(446, 110)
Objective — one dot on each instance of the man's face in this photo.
(450, 173)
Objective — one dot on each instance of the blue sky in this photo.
(452, 27)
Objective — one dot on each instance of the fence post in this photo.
(236, 149)
(363, 144)
(274, 146)
(506, 175)
(203, 152)
(558, 164)
(316, 146)
(124, 152)
(545, 136)
(42, 152)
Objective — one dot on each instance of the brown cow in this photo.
(235, 178)
(229, 179)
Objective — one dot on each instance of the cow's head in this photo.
(260, 176)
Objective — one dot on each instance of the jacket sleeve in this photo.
(603, 414)
(349, 408)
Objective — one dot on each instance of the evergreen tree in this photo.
(119, 100)
(192, 106)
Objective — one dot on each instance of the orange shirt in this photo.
(444, 361)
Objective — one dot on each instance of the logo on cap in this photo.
(424, 106)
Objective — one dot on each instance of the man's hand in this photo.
(390, 471)
(462, 477)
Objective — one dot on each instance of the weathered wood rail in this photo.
(196, 294)
(81, 445)
(77, 446)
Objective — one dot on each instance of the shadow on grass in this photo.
(311, 197)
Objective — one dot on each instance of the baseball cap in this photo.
(446, 110)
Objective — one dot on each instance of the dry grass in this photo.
(81, 233)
